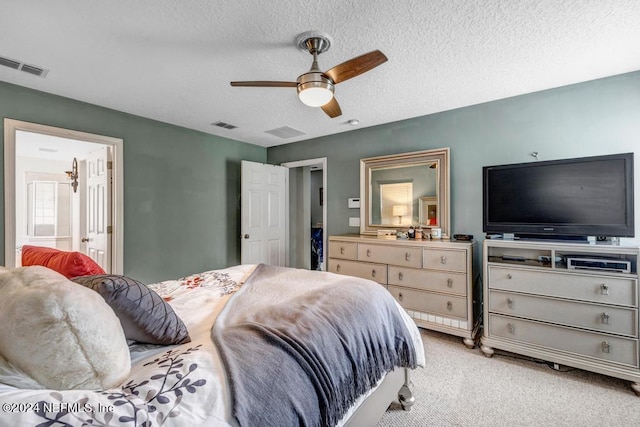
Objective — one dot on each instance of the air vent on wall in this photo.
(224, 125)
(17, 65)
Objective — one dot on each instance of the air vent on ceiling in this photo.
(224, 125)
(9, 63)
(17, 65)
(47, 150)
(285, 132)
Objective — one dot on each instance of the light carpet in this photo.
(462, 387)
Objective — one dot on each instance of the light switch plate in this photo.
(354, 221)
(354, 202)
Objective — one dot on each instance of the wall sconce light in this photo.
(73, 175)
(399, 211)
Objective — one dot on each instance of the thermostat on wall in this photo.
(354, 202)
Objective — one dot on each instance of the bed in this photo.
(276, 345)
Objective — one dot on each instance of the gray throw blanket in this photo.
(300, 346)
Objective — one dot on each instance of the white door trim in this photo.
(10, 128)
(311, 162)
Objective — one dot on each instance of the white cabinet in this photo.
(432, 280)
(536, 305)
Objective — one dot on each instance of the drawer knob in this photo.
(407, 256)
(341, 250)
(400, 296)
(449, 305)
(400, 276)
(443, 259)
(511, 328)
(604, 289)
(369, 252)
(373, 273)
(509, 276)
(606, 318)
(606, 348)
(450, 283)
(338, 268)
(510, 302)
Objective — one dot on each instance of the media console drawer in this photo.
(597, 317)
(579, 286)
(590, 344)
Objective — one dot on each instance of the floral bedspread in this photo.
(219, 282)
(168, 386)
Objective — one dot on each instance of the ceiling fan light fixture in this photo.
(314, 89)
(315, 95)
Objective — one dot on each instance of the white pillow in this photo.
(63, 335)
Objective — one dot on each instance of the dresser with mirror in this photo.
(432, 279)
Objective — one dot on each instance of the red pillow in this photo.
(69, 264)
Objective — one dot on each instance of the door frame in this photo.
(312, 162)
(11, 126)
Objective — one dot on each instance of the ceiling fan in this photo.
(315, 87)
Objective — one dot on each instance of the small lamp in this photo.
(399, 211)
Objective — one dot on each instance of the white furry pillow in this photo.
(63, 335)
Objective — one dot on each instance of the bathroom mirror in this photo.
(401, 190)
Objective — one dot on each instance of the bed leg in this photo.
(405, 395)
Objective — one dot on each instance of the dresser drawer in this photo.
(602, 318)
(590, 344)
(396, 255)
(366, 270)
(343, 250)
(445, 259)
(439, 281)
(427, 302)
(587, 287)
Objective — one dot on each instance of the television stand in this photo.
(541, 308)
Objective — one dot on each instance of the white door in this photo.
(97, 240)
(263, 217)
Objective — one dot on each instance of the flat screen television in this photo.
(569, 198)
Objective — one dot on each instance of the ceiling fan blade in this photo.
(265, 84)
(332, 108)
(356, 66)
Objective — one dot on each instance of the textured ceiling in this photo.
(172, 60)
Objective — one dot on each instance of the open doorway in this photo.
(307, 223)
(49, 198)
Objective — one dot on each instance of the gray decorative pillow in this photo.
(144, 315)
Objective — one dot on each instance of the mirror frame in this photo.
(415, 158)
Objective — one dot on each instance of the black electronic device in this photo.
(597, 263)
(464, 237)
(569, 198)
(514, 258)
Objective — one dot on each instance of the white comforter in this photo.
(182, 385)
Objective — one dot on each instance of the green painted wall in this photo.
(592, 118)
(181, 187)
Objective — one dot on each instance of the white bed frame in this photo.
(396, 385)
